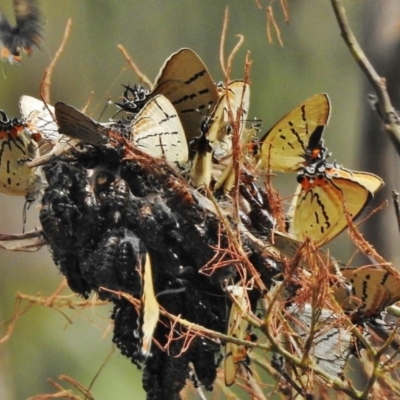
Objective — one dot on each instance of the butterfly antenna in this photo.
(108, 102)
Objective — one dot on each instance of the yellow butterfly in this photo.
(217, 137)
(185, 81)
(286, 145)
(371, 290)
(324, 194)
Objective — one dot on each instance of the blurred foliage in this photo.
(313, 59)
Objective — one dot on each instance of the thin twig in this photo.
(395, 196)
(386, 111)
(142, 77)
(45, 89)
(222, 42)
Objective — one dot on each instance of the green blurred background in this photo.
(313, 59)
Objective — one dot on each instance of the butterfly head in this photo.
(134, 98)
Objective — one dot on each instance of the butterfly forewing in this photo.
(186, 82)
(284, 145)
(157, 130)
(75, 124)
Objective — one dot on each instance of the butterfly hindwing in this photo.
(157, 130)
(318, 210)
(284, 145)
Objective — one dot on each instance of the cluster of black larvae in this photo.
(108, 206)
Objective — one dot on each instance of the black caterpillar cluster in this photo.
(105, 207)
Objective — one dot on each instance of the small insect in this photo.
(372, 289)
(25, 35)
(296, 139)
(185, 81)
(16, 148)
(324, 194)
(157, 130)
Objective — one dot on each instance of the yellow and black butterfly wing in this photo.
(185, 81)
(370, 290)
(319, 207)
(157, 130)
(284, 145)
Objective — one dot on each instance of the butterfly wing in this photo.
(231, 109)
(317, 210)
(372, 289)
(284, 145)
(370, 181)
(185, 81)
(331, 343)
(39, 117)
(150, 311)
(16, 148)
(157, 130)
(237, 328)
(75, 124)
